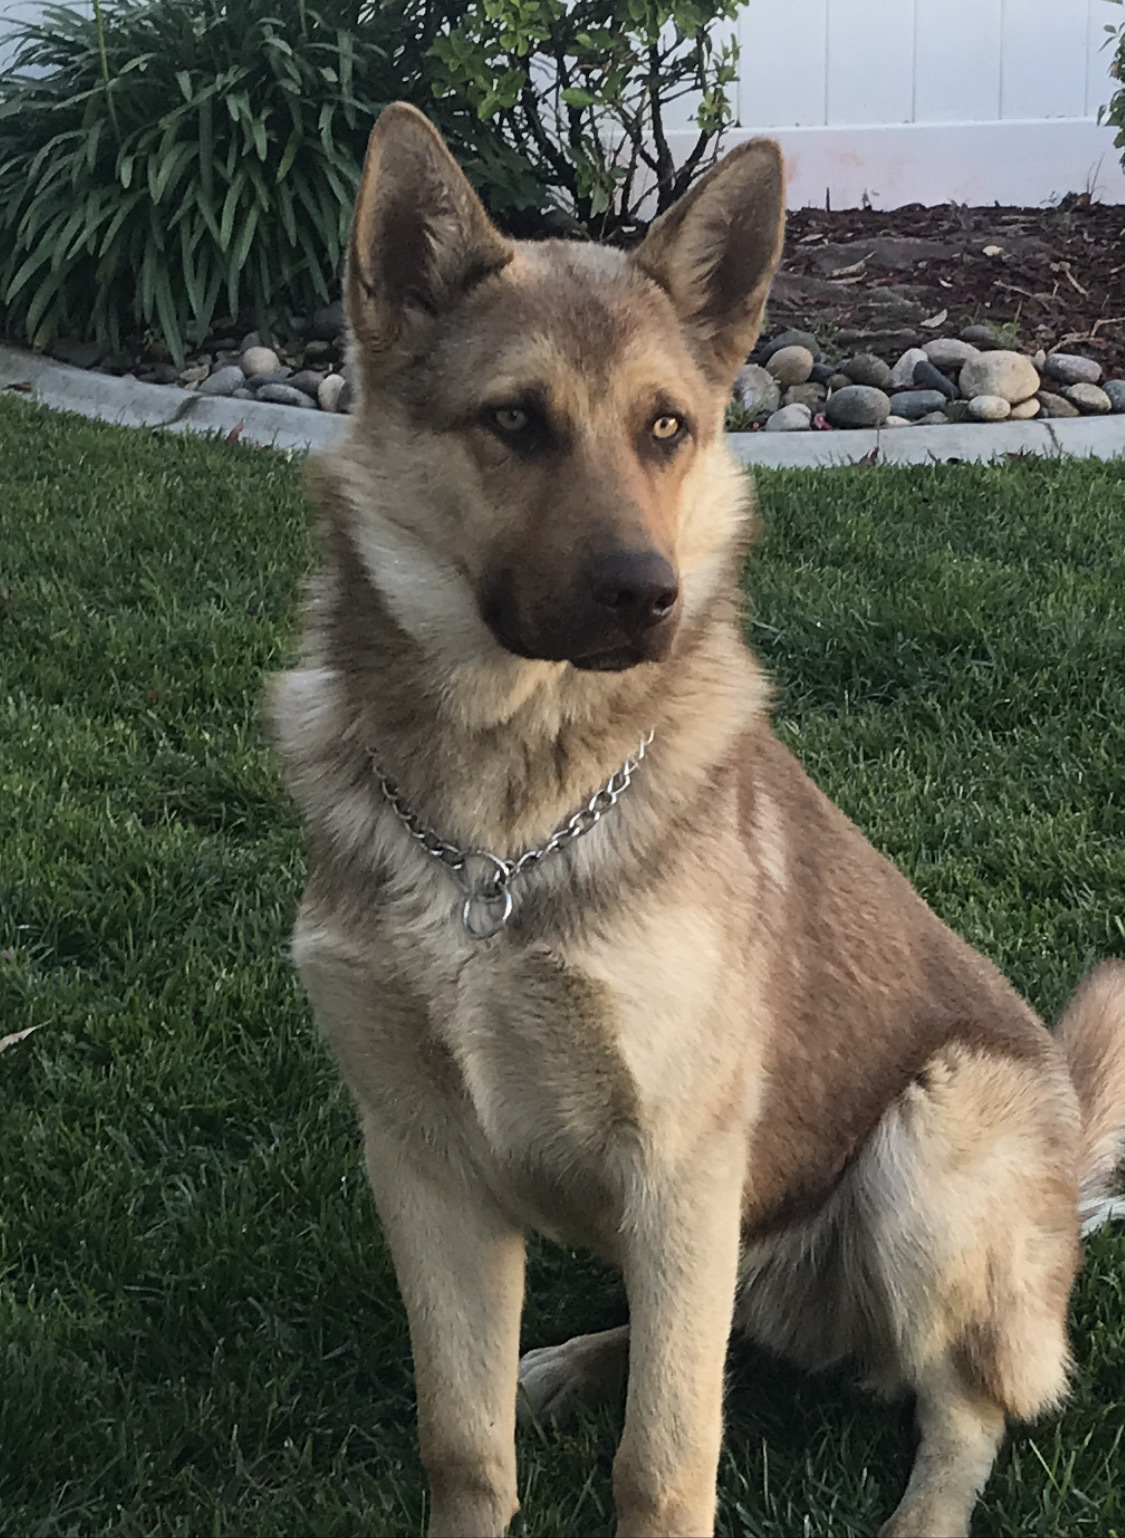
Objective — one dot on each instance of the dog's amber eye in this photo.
(667, 427)
(510, 419)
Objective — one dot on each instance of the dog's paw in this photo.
(555, 1380)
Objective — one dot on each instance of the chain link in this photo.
(488, 900)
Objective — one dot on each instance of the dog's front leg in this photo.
(460, 1269)
(680, 1258)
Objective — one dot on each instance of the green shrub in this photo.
(582, 90)
(158, 160)
(1114, 113)
(163, 161)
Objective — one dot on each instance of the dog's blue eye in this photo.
(510, 419)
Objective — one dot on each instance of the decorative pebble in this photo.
(803, 339)
(259, 360)
(858, 405)
(242, 395)
(838, 381)
(1069, 369)
(902, 375)
(932, 419)
(989, 408)
(224, 381)
(810, 394)
(279, 376)
(308, 380)
(757, 388)
(283, 395)
(192, 375)
(790, 419)
(328, 395)
(948, 352)
(1025, 410)
(866, 369)
(251, 339)
(913, 404)
(1090, 399)
(318, 349)
(928, 377)
(1052, 405)
(821, 373)
(790, 365)
(893, 421)
(1115, 389)
(1008, 374)
(982, 337)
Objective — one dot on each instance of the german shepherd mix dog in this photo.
(595, 956)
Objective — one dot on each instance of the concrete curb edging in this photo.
(129, 403)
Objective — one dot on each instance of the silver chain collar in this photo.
(486, 879)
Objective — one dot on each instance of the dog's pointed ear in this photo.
(715, 252)
(420, 236)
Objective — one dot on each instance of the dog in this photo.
(596, 958)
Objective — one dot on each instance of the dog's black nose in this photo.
(639, 587)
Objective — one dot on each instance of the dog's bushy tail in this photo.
(1092, 1033)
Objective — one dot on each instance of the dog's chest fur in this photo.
(555, 1074)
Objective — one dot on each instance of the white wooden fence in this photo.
(903, 101)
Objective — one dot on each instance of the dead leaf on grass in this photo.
(17, 1036)
(23, 385)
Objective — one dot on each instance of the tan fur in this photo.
(722, 1041)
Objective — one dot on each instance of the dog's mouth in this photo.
(618, 660)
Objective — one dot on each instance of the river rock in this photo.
(1089, 398)
(1052, 405)
(913, 404)
(982, 337)
(790, 419)
(224, 381)
(858, 405)
(283, 395)
(260, 360)
(1069, 368)
(811, 395)
(989, 408)
(790, 365)
(328, 395)
(791, 339)
(928, 377)
(902, 375)
(1115, 390)
(866, 369)
(948, 352)
(757, 388)
(1007, 374)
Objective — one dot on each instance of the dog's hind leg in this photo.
(587, 1369)
(960, 1433)
(969, 1199)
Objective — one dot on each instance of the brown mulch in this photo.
(1050, 277)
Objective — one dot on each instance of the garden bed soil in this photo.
(1050, 278)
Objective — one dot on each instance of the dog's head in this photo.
(542, 417)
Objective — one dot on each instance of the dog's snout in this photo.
(638, 587)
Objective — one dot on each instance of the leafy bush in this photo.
(582, 91)
(165, 160)
(158, 159)
(1114, 113)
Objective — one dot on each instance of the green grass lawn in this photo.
(199, 1331)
